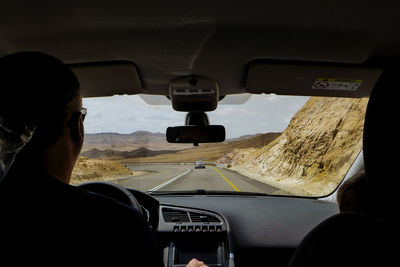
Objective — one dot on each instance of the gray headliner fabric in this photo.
(212, 38)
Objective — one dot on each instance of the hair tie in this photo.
(11, 143)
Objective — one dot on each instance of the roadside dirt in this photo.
(87, 170)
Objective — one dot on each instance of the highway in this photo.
(185, 177)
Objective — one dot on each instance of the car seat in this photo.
(355, 239)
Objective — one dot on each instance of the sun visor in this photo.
(107, 78)
(312, 80)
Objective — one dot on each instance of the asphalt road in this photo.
(186, 177)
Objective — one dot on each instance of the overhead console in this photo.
(190, 233)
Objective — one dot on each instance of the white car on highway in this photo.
(199, 165)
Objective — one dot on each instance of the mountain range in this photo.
(129, 142)
(108, 154)
(213, 151)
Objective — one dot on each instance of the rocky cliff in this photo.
(314, 152)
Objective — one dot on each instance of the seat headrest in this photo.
(382, 137)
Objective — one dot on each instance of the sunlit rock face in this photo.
(314, 152)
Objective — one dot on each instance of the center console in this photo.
(186, 233)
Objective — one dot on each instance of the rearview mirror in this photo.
(196, 134)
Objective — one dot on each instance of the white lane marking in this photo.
(169, 181)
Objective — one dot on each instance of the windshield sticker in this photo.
(336, 84)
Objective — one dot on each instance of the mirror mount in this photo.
(197, 118)
(197, 130)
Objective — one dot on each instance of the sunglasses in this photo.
(83, 112)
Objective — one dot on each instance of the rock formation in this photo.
(314, 152)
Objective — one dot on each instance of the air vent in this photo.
(202, 218)
(173, 216)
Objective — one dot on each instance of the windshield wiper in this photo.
(204, 192)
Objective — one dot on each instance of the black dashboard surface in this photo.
(260, 221)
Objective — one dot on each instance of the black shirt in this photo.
(43, 219)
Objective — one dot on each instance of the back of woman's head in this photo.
(353, 195)
(36, 90)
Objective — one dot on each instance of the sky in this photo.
(126, 114)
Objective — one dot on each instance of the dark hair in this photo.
(36, 89)
(353, 194)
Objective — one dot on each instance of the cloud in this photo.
(126, 114)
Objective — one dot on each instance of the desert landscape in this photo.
(310, 157)
(313, 154)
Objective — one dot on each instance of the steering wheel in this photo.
(113, 191)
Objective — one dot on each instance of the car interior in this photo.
(193, 55)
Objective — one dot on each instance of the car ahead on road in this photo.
(199, 165)
(289, 82)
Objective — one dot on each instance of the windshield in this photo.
(275, 145)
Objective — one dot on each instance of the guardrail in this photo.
(168, 163)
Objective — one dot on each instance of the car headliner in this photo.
(217, 39)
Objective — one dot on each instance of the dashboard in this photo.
(186, 233)
(231, 230)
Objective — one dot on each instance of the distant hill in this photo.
(253, 141)
(117, 139)
(248, 136)
(95, 153)
(213, 151)
(129, 142)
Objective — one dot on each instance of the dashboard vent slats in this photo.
(203, 218)
(172, 215)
